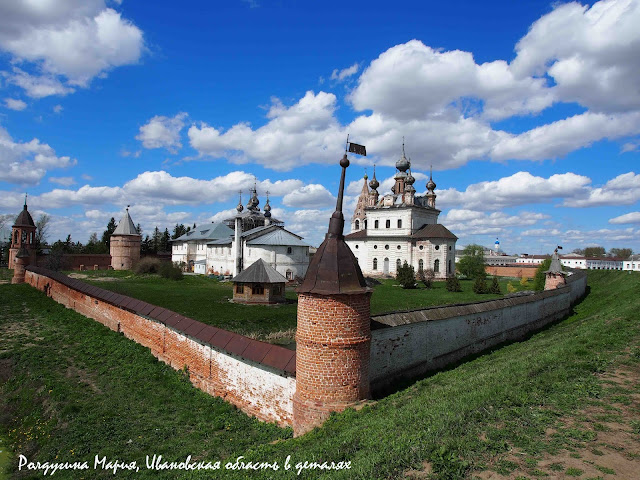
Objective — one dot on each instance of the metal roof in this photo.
(259, 272)
(126, 226)
(433, 230)
(211, 231)
(222, 241)
(24, 219)
(280, 236)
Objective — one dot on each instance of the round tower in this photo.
(125, 244)
(20, 263)
(23, 234)
(333, 336)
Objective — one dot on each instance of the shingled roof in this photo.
(24, 219)
(259, 272)
(126, 226)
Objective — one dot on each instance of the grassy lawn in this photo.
(76, 389)
(207, 300)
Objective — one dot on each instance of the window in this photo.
(239, 288)
(399, 223)
(449, 268)
(449, 247)
(420, 265)
(388, 224)
(375, 224)
(257, 290)
(375, 263)
(375, 247)
(365, 224)
(357, 224)
(357, 246)
(398, 264)
(421, 247)
(437, 247)
(289, 275)
(398, 247)
(276, 290)
(289, 249)
(436, 266)
(386, 247)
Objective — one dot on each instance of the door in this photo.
(386, 266)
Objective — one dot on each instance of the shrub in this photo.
(495, 287)
(539, 278)
(171, 271)
(147, 265)
(511, 288)
(480, 286)
(426, 277)
(524, 281)
(406, 276)
(453, 284)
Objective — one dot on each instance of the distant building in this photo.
(532, 259)
(259, 283)
(388, 230)
(632, 263)
(228, 247)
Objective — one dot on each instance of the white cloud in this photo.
(413, 81)
(303, 133)
(591, 53)
(584, 237)
(26, 163)
(309, 196)
(58, 109)
(64, 181)
(70, 40)
(518, 189)
(621, 190)
(163, 132)
(473, 222)
(631, 217)
(340, 75)
(15, 104)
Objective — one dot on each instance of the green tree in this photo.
(495, 286)
(42, 229)
(165, 246)
(156, 239)
(178, 231)
(406, 276)
(480, 285)
(594, 252)
(471, 265)
(94, 245)
(453, 284)
(146, 246)
(620, 252)
(426, 277)
(106, 235)
(540, 277)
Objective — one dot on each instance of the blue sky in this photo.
(528, 111)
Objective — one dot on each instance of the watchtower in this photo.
(125, 244)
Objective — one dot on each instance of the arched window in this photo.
(365, 224)
(399, 223)
(375, 263)
(449, 268)
(420, 264)
(375, 224)
(398, 264)
(388, 225)
(15, 237)
(357, 224)
(436, 266)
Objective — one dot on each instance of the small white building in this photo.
(388, 230)
(632, 264)
(229, 247)
(531, 259)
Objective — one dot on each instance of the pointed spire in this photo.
(25, 201)
(374, 184)
(267, 207)
(239, 208)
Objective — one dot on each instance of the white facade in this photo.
(632, 264)
(389, 230)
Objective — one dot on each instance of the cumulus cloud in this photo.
(340, 75)
(15, 104)
(631, 217)
(163, 132)
(591, 53)
(26, 163)
(309, 196)
(621, 190)
(71, 40)
(584, 236)
(518, 189)
(58, 109)
(64, 181)
(473, 222)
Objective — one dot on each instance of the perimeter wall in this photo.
(409, 344)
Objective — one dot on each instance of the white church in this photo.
(229, 247)
(387, 230)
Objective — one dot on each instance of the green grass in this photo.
(207, 300)
(6, 274)
(459, 420)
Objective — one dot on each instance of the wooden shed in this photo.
(260, 283)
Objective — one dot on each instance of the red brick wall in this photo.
(518, 271)
(259, 379)
(72, 261)
(332, 356)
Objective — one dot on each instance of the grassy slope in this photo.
(456, 419)
(207, 300)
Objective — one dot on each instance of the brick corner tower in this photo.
(23, 236)
(334, 330)
(554, 277)
(124, 244)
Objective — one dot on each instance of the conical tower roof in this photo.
(126, 226)
(24, 218)
(334, 269)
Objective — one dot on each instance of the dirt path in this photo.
(609, 443)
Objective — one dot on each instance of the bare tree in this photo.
(42, 229)
(5, 220)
